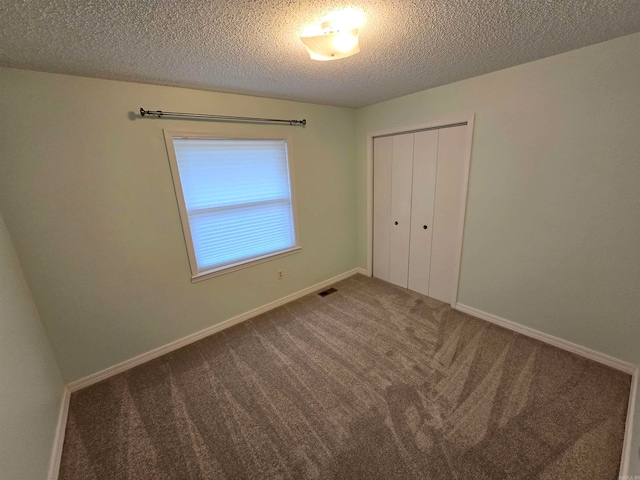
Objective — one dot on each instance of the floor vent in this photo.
(327, 292)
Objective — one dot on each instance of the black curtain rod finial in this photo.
(144, 112)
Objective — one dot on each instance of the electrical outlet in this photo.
(280, 275)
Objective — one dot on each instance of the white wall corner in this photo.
(628, 432)
(58, 441)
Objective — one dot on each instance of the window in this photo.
(235, 200)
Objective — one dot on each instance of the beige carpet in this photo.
(370, 382)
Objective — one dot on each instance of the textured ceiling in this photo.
(252, 46)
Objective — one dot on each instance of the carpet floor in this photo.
(370, 382)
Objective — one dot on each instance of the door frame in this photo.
(469, 118)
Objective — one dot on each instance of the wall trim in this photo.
(550, 339)
(628, 432)
(58, 440)
(194, 337)
(364, 271)
(602, 358)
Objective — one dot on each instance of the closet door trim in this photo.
(445, 122)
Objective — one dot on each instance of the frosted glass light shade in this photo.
(332, 45)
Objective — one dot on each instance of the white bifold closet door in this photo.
(401, 167)
(418, 181)
(422, 205)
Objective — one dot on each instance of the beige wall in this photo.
(87, 195)
(552, 231)
(30, 382)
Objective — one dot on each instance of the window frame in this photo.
(196, 275)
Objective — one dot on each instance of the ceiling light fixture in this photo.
(336, 37)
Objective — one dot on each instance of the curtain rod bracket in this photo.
(160, 114)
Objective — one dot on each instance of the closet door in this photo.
(425, 159)
(418, 182)
(382, 156)
(448, 207)
(401, 173)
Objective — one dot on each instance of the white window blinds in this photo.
(237, 197)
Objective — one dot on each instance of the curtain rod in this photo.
(160, 113)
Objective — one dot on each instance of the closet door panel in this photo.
(401, 172)
(425, 157)
(448, 207)
(382, 157)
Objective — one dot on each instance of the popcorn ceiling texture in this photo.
(252, 46)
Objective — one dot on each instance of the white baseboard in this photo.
(626, 447)
(194, 337)
(364, 271)
(58, 441)
(613, 362)
(551, 340)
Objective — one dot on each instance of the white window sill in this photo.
(245, 264)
